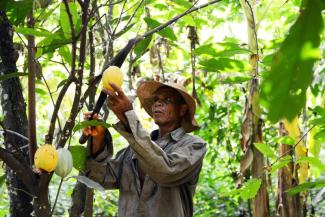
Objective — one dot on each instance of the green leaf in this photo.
(85, 124)
(313, 161)
(17, 10)
(41, 91)
(265, 150)
(114, 21)
(12, 75)
(320, 135)
(206, 49)
(2, 179)
(65, 53)
(283, 162)
(35, 32)
(141, 47)
(318, 121)
(51, 43)
(182, 3)
(250, 189)
(236, 79)
(222, 49)
(283, 90)
(64, 19)
(224, 65)
(79, 155)
(287, 140)
(166, 32)
(120, 33)
(306, 186)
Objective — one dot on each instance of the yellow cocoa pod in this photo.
(46, 158)
(114, 75)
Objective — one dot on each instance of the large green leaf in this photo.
(224, 65)
(34, 32)
(84, 124)
(79, 155)
(51, 43)
(306, 186)
(265, 149)
(281, 163)
(250, 188)
(221, 49)
(313, 161)
(140, 47)
(65, 53)
(17, 10)
(166, 32)
(64, 19)
(283, 90)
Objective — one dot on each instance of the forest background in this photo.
(256, 69)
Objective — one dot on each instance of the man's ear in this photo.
(183, 110)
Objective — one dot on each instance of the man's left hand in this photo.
(118, 102)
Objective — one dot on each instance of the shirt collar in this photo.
(176, 135)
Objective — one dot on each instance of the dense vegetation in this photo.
(256, 69)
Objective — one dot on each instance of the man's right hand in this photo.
(97, 133)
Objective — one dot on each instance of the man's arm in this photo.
(167, 169)
(100, 166)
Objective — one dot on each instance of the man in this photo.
(157, 173)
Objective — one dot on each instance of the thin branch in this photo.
(51, 96)
(293, 147)
(119, 19)
(134, 13)
(49, 136)
(31, 90)
(21, 39)
(15, 133)
(73, 37)
(62, 63)
(56, 197)
(76, 106)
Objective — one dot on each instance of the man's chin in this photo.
(157, 121)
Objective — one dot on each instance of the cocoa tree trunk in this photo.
(252, 125)
(15, 120)
(286, 205)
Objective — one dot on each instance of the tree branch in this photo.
(76, 101)
(23, 172)
(31, 91)
(97, 79)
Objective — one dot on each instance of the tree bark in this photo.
(15, 119)
(252, 116)
(286, 205)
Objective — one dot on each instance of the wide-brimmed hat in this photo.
(145, 92)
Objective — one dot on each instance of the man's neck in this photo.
(164, 130)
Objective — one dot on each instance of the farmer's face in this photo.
(168, 107)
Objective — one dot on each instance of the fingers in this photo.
(87, 116)
(117, 89)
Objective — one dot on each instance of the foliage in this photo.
(284, 88)
(221, 78)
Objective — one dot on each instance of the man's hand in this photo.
(119, 103)
(97, 132)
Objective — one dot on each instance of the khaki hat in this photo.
(146, 90)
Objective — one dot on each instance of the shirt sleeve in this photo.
(102, 168)
(168, 169)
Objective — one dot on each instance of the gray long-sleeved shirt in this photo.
(171, 165)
